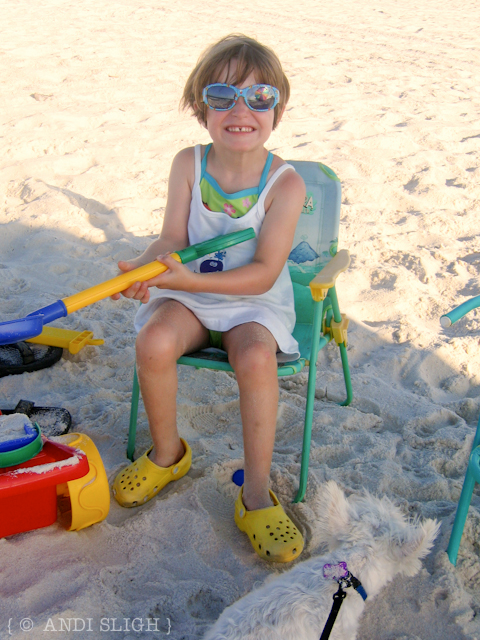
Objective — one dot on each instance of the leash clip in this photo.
(356, 584)
(340, 573)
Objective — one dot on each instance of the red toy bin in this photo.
(28, 491)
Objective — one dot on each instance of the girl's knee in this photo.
(256, 358)
(155, 345)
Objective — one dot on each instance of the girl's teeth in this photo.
(240, 129)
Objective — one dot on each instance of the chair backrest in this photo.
(316, 236)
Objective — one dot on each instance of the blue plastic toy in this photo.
(237, 477)
(30, 434)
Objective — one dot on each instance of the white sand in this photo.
(13, 426)
(387, 94)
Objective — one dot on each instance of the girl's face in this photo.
(240, 129)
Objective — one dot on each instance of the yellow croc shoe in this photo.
(273, 535)
(142, 480)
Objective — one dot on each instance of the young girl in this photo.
(240, 299)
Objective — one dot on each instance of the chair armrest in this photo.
(325, 279)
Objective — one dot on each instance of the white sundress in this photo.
(219, 312)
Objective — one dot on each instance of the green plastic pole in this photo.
(460, 518)
(469, 483)
(463, 506)
(201, 249)
(346, 375)
(312, 376)
(455, 314)
(132, 430)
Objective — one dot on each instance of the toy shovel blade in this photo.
(32, 325)
(16, 330)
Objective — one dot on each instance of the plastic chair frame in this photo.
(473, 469)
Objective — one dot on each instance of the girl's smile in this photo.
(239, 129)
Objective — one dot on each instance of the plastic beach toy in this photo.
(16, 431)
(32, 325)
(28, 492)
(66, 339)
(238, 477)
(86, 500)
(20, 454)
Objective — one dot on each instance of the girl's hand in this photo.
(138, 290)
(178, 277)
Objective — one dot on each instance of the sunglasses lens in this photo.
(261, 97)
(220, 97)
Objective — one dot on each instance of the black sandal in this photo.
(53, 421)
(21, 357)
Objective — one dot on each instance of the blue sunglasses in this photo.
(258, 97)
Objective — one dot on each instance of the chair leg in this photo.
(312, 377)
(460, 517)
(346, 375)
(465, 499)
(332, 294)
(132, 430)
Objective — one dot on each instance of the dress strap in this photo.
(203, 168)
(198, 162)
(266, 169)
(273, 179)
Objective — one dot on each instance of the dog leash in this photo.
(344, 578)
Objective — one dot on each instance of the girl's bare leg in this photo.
(252, 353)
(171, 331)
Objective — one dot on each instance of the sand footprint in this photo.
(209, 419)
(218, 502)
(427, 426)
(16, 286)
(206, 604)
(382, 279)
(410, 262)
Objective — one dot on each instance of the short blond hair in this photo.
(251, 57)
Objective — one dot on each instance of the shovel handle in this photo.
(115, 285)
(152, 269)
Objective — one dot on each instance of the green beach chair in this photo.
(473, 469)
(314, 265)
